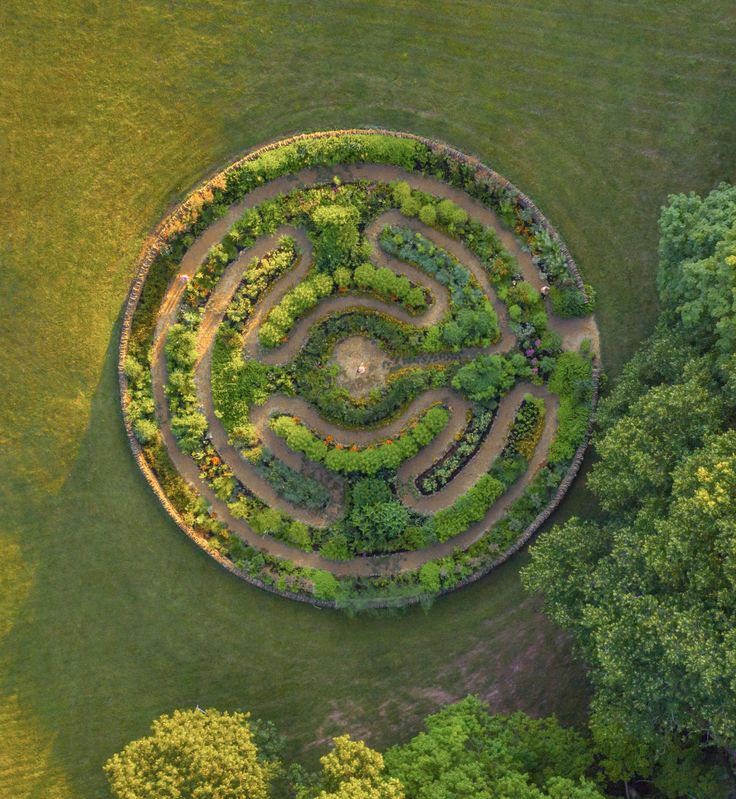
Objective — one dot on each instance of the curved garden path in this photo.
(478, 464)
(336, 303)
(214, 312)
(572, 331)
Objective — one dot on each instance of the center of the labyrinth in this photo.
(362, 365)
(364, 384)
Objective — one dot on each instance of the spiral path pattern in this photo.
(404, 480)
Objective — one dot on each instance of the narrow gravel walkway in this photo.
(573, 331)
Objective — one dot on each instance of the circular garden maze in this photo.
(358, 368)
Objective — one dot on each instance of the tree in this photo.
(697, 272)
(638, 451)
(208, 755)
(648, 590)
(465, 751)
(354, 771)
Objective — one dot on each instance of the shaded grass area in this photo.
(108, 615)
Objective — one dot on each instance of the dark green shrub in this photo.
(488, 377)
(370, 491)
(380, 526)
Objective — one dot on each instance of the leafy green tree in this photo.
(638, 451)
(465, 751)
(697, 272)
(207, 755)
(649, 589)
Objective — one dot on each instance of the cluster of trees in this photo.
(464, 752)
(648, 590)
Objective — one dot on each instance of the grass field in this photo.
(110, 111)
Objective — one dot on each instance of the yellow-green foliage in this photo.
(206, 754)
(388, 455)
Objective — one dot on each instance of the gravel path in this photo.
(573, 331)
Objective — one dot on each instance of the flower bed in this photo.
(441, 473)
(385, 456)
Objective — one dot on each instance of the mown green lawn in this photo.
(110, 111)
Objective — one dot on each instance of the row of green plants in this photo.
(381, 282)
(294, 486)
(387, 455)
(487, 378)
(295, 303)
(389, 285)
(446, 467)
(473, 505)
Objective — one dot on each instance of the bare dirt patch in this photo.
(363, 365)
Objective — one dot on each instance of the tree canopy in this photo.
(193, 753)
(465, 751)
(649, 590)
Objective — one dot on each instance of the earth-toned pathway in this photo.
(573, 332)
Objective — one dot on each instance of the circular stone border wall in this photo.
(153, 246)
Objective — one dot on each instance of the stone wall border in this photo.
(155, 243)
